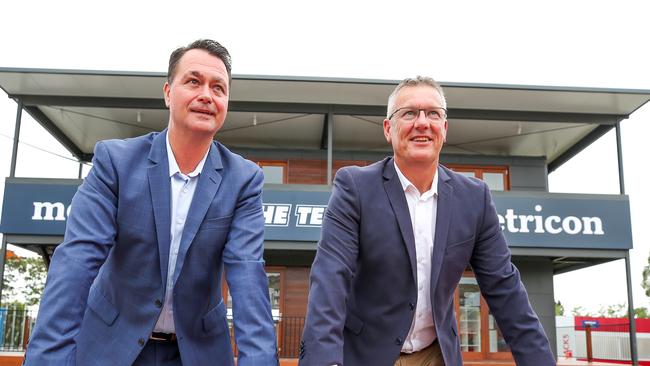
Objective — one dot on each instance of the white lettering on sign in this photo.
(276, 214)
(309, 215)
(50, 211)
(553, 224)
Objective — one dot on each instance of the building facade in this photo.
(302, 130)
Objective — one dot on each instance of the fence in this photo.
(15, 327)
(601, 342)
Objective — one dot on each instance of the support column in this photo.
(619, 151)
(630, 312)
(14, 153)
(628, 271)
(330, 130)
(3, 255)
(81, 168)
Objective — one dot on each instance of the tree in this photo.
(580, 311)
(559, 309)
(613, 311)
(645, 283)
(24, 280)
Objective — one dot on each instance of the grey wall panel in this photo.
(537, 276)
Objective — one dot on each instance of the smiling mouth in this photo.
(421, 139)
(203, 111)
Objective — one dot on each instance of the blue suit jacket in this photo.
(106, 281)
(363, 281)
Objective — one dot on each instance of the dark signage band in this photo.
(36, 207)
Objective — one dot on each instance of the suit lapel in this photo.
(206, 189)
(159, 186)
(397, 199)
(445, 205)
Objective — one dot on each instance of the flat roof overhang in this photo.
(81, 107)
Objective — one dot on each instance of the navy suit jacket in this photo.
(106, 281)
(363, 281)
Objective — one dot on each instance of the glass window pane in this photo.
(467, 174)
(497, 343)
(470, 315)
(274, 291)
(273, 174)
(494, 181)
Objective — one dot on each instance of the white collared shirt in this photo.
(182, 192)
(423, 211)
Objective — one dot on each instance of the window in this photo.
(480, 338)
(275, 172)
(496, 177)
(469, 298)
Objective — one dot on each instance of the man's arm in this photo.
(331, 275)
(89, 236)
(244, 264)
(506, 296)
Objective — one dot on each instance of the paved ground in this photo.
(573, 362)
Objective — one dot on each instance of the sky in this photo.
(554, 43)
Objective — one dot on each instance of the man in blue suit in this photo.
(137, 280)
(397, 237)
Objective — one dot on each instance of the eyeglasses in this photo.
(409, 114)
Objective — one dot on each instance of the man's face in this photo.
(197, 97)
(416, 142)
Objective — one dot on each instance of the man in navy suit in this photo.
(397, 237)
(137, 279)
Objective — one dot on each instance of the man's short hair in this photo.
(413, 82)
(212, 47)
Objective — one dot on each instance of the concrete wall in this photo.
(537, 276)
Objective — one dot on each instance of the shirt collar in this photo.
(173, 166)
(433, 190)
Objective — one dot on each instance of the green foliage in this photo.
(24, 280)
(559, 308)
(613, 311)
(641, 313)
(580, 311)
(645, 283)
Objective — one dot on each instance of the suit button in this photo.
(411, 306)
(398, 341)
(158, 303)
(141, 342)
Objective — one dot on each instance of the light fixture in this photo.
(254, 119)
(139, 117)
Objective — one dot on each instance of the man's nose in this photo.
(421, 120)
(204, 94)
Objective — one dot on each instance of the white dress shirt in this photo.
(182, 191)
(423, 210)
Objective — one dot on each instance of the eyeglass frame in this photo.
(419, 110)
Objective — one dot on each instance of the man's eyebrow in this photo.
(198, 74)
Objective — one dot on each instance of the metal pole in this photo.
(330, 130)
(630, 311)
(628, 270)
(14, 153)
(3, 254)
(619, 151)
(590, 354)
(81, 167)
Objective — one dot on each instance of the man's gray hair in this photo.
(412, 82)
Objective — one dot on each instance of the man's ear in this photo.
(444, 137)
(166, 90)
(387, 128)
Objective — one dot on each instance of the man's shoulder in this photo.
(232, 161)
(368, 171)
(460, 179)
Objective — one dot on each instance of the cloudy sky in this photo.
(557, 43)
